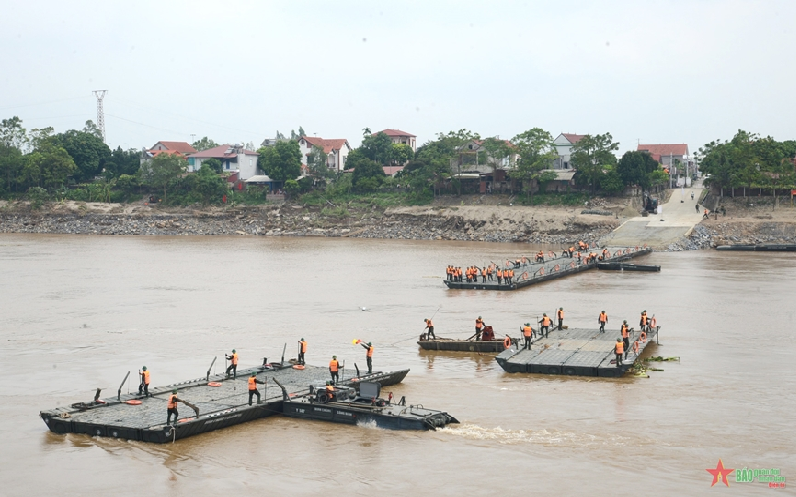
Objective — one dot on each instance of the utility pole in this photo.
(100, 94)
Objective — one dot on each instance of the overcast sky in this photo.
(237, 71)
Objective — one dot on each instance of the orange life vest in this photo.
(235, 358)
(560, 314)
(620, 347)
(527, 331)
(643, 319)
(252, 383)
(333, 366)
(172, 403)
(429, 324)
(624, 331)
(303, 347)
(479, 323)
(370, 351)
(146, 377)
(545, 321)
(603, 317)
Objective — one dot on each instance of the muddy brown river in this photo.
(78, 312)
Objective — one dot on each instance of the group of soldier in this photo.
(503, 276)
(232, 372)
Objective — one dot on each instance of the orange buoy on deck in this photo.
(133, 402)
(214, 384)
(298, 366)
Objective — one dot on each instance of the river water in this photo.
(78, 312)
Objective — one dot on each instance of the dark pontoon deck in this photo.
(219, 407)
(556, 267)
(578, 352)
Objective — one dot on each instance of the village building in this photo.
(234, 159)
(399, 137)
(336, 151)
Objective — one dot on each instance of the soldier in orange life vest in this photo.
(430, 328)
(302, 351)
(333, 367)
(499, 275)
(253, 381)
(626, 337)
(545, 322)
(560, 316)
(602, 320)
(483, 275)
(233, 364)
(527, 332)
(618, 351)
(143, 388)
(369, 348)
(171, 407)
(329, 392)
(479, 324)
(643, 322)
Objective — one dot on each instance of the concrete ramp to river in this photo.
(659, 230)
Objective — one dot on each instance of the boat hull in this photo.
(344, 413)
(488, 347)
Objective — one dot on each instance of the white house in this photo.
(470, 151)
(336, 150)
(399, 137)
(233, 158)
(563, 144)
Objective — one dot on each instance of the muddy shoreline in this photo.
(552, 225)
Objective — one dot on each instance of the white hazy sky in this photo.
(236, 71)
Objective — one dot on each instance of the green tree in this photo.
(282, 161)
(612, 182)
(122, 162)
(368, 174)
(12, 134)
(377, 148)
(536, 154)
(317, 163)
(291, 188)
(634, 168)
(49, 166)
(11, 163)
(204, 143)
(214, 164)
(401, 153)
(162, 171)
(590, 156)
(87, 150)
(208, 184)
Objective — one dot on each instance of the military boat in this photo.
(348, 406)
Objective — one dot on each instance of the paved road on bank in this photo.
(658, 231)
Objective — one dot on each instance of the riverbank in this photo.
(472, 220)
(748, 221)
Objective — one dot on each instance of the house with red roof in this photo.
(399, 137)
(336, 150)
(563, 145)
(178, 148)
(666, 154)
(234, 158)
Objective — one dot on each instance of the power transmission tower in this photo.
(100, 94)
